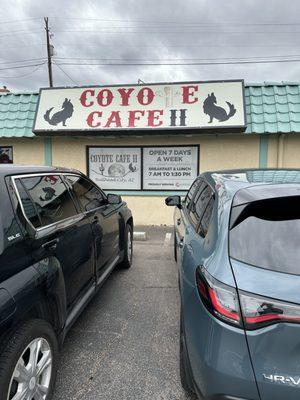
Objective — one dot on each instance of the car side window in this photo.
(30, 210)
(45, 199)
(200, 203)
(191, 192)
(86, 193)
(205, 221)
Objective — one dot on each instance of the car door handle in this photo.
(51, 245)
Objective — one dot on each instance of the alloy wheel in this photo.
(32, 374)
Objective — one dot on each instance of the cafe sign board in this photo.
(142, 168)
(205, 106)
(115, 168)
(170, 167)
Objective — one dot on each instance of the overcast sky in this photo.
(139, 31)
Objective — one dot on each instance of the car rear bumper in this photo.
(218, 354)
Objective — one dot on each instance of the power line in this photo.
(19, 20)
(62, 70)
(116, 31)
(70, 44)
(22, 61)
(177, 59)
(179, 22)
(13, 33)
(23, 75)
(156, 22)
(143, 31)
(22, 66)
(183, 63)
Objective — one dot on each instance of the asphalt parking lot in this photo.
(125, 344)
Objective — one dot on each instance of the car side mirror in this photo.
(174, 201)
(114, 198)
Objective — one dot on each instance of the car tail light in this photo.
(260, 311)
(220, 299)
(225, 303)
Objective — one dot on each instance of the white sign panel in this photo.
(188, 105)
(170, 168)
(115, 168)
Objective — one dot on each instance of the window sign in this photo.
(115, 168)
(6, 155)
(170, 168)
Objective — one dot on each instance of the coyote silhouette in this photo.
(210, 108)
(60, 116)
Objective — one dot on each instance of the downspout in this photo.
(263, 151)
(280, 150)
(48, 151)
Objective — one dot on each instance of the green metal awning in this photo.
(17, 114)
(273, 108)
(270, 107)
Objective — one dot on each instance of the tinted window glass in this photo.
(88, 195)
(28, 206)
(45, 199)
(191, 192)
(205, 221)
(200, 203)
(266, 234)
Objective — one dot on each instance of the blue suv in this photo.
(237, 245)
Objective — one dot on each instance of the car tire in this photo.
(29, 361)
(175, 246)
(128, 246)
(185, 376)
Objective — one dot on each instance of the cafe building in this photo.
(146, 142)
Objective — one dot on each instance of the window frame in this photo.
(79, 212)
(73, 195)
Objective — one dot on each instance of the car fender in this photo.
(37, 291)
(126, 217)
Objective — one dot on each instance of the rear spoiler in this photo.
(264, 192)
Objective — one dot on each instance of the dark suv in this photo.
(60, 238)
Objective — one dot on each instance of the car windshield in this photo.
(266, 234)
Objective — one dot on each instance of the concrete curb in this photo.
(140, 236)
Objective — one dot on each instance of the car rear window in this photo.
(266, 234)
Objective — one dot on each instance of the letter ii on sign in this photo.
(182, 117)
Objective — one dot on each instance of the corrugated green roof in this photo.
(271, 108)
(17, 114)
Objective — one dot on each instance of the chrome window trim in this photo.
(46, 227)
